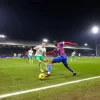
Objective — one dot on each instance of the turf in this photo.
(18, 74)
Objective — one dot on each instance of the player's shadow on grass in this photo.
(61, 75)
(54, 77)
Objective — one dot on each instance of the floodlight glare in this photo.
(2, 36)
(95, 29)
(45, 40)
(86, 44)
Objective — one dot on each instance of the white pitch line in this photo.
(46, 87)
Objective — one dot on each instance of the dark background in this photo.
(33, 20)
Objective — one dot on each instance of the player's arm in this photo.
(70, 43)
(36, 48)
(51, 52)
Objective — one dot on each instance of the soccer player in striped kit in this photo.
(61, 56)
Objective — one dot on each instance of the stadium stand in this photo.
(8, 48)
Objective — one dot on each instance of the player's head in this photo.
(55, 42)
(31, 48)
(43, 44)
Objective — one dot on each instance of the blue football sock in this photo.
(71, 70)
(49, 68)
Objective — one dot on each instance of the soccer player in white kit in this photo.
(30, 56)
(40, 55)
(15, 55)
(79, 55)
(73, 56)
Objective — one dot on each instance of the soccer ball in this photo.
(41, 76)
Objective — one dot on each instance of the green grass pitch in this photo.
(18, 75)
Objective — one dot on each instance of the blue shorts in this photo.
(59, 59)
(25, 56)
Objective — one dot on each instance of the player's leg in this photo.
(45, 62)
(66, 65)
(75, 58)
(50, 67)
(39, 63)
(24, 57)
(32, 59)
(29, 59)
(55, 60)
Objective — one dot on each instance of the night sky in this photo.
(69, 20)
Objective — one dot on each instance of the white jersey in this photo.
(15, 54)
(79, 54)
(73, 53)
(40, 51)
(30, 53)
(19, 55)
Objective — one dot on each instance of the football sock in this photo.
(45, 63)
(70, 68)
(30, 61)
(40, 67)
(49, 68)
